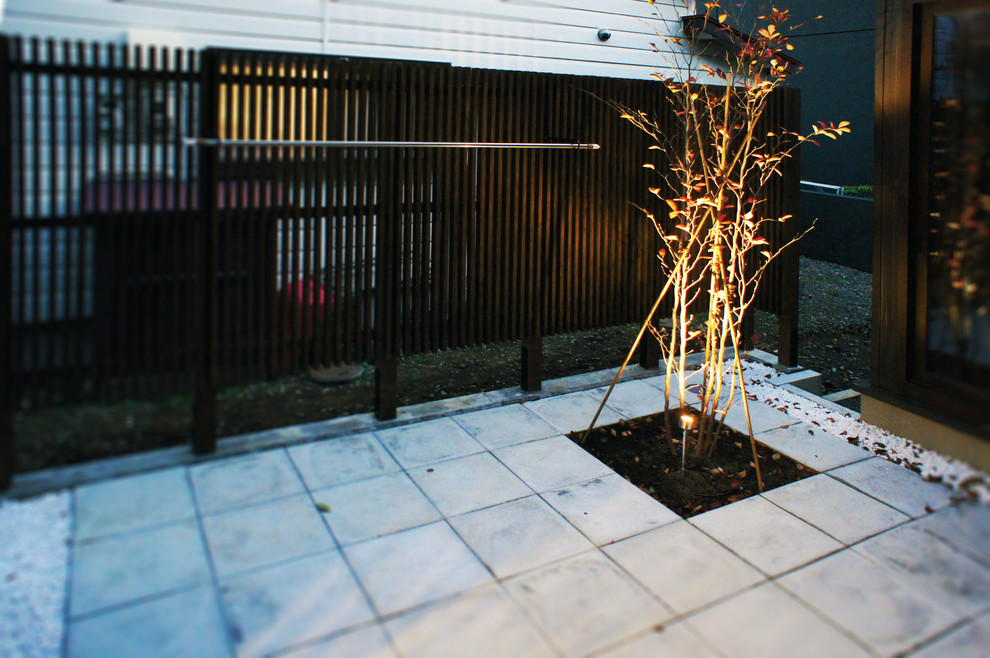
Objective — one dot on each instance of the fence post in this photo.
(532, 363)
(787, 321)
(8, 456)
(649, 352)
(386, 290)
(204, 427)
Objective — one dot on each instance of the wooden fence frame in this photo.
(518, 253)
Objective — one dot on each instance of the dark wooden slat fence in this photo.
(140, 267)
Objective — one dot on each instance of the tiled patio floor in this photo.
(488, 533)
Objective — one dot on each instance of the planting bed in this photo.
(636, 450)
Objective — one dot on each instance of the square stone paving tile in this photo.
(336, 461)
(966, 525)
(609, 508)
(670, 641)
(367, 642)
(463, 485)
(812, 447)
(265, 534)
(519, 535)
(132, 503)
(239, 481)
(870, 601)
(633, 399)
(970, 640)
(585, 603)
(573, 411)
(933, 567)
(481, 622)
(836, 508)
(551, 463)
(415, 566)
(123, 568)
(766, 622)
(505, 426)
(769, 538)
(763, 417)
(428, 441)
(374, 507)
(185, 624)
(659, 382)
(685, 567)
(895, 485)
(293, 603)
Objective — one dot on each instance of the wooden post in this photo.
(787, 332)
(386, 292)
(649, 352)
(748, 326)
(532, 364)
(204, 429)
(386, 388)
(8, 455)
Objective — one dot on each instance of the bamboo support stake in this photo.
(632, 350)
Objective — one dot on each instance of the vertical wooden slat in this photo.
(441, 222)
(409, 274)
(512, 193)
(273, 195)
(353, 295)
(433, 231)
(500, 179)
(524, 204)
(467, 208)
(296, 224)
(64, 233)
(51, 335)
(444, 189)
(16, 60)
(253, 251)
(386, 287)
(336, 191)
(103, 229)
(205, 400)
(33, 232)
(8, 453)
(547, 125)
(484, 204)
(150, 368)
(310, 285)
(127, 357)
(558, 228)
(367, 236)
(283, 127)
(82, 373)
(196, 98)
(425, 242)
(319, 216)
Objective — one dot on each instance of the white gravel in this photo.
(34, 554)
(967, 480)
(35, 534)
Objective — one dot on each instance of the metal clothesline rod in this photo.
(211, 141)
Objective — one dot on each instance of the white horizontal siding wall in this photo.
(554, 36)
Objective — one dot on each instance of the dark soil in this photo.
(76, 433)
(834, 340)
(637, 450)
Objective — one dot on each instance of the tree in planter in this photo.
(712, 227)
